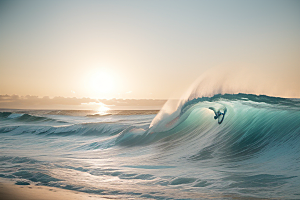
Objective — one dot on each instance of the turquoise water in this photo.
(186, 154)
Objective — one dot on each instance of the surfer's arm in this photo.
(211, 108)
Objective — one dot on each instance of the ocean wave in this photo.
(24, 117)
(86, 129)
(253, 126)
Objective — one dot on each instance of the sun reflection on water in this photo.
(102, 110)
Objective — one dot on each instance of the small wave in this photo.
(125, 112)
(24, 117)
(4, 115)
(31, 118)
(86, 129)
(99, 115)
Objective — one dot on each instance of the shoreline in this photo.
(10, 191)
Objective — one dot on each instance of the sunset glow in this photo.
(99, 83)
(156, 49)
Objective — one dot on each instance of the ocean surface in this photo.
(184, 154)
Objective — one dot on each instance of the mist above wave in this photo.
(230, 80)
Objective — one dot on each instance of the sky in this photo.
(145, 49)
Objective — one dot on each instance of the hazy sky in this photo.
(143, 49)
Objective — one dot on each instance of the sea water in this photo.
(253, 153)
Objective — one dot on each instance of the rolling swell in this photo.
(23, 117)
(89, 129)
(254, 126)
(251, 124)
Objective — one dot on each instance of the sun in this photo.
(100, 82)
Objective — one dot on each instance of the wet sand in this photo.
(10, 191)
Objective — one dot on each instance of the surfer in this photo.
(219, 114)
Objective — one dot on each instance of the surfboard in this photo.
(221, 116)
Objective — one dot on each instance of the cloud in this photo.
(35, 102)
